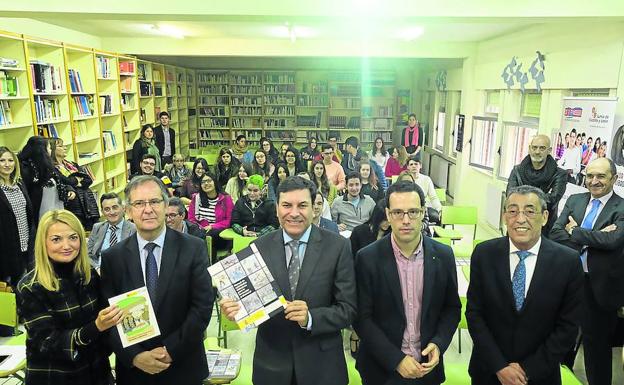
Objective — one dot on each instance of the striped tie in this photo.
(113, 235)
(293, 266)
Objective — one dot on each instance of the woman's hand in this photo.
(108, 317)
(71, 195)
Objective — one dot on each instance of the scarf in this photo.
(150, 145)
(538, 178)
(411, 130)
(239, 151)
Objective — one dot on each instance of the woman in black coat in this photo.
(375, 228)
(254, 216)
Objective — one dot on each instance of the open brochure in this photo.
(223, 365)
(139, 320)
(245, 278)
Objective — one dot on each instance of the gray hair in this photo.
(526, 190)
(176, 202)
(141, 180)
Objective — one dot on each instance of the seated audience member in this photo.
(280, 174)
(191, 185)
(261, 166)
(65, 315)
(354, 208)
(254, 216)
(293, 161)
(310, 152)
(176, 219)
(317, 219)
(375, 169)
(114, 229)
(333, 169)
(396, 162)
(352, 155)
(379, 153)
(211, 210)
(432, 202)
(332, 140)
(240, 150)
(148, 167)
(267, 146)
(227, 167)
(370, 184)
(375, 228)
(322, 183)
(236, 187)
(178, 173)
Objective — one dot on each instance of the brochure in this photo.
(139, 320)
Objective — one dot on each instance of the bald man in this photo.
(539, 169)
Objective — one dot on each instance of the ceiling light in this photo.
(410, 33)
(292, 32)
(165, 30)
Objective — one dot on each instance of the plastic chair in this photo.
(456, 373)
(241, 242)
(225, 325)
(463, 324)
(568, 378)
(441, 193)
(456, 215)
(444, 241)
(8, 317)
(466, 271)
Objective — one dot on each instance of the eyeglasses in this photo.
(539, 148)
(142, 204)
(290, 156)
(149, 163)
(400, 214)
(206, 182)
(529, 213)
(172, 215)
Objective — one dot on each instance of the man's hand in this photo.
(297, 311)
(229, 308)
(571, 224)
(432, 352)
(248, 233)
(150, 362)
(611, 227)
(410, 368)
(162, 352)
(512, 375)
(342, 226)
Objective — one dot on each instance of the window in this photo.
(531, 105)
(492, 102)
(483, 142)
(516, 139)
(458, 132)
(440, 122)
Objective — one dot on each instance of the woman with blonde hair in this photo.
(62, 309)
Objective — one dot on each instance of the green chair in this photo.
(444, 241)
(441, 193)
(463, 324)
(241, 242)
(456, 215)
(463, 250)
(456, 373)
(568, 378)
(466, 271)
(8, 317)
(225, 325)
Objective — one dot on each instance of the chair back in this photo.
(459, 215)
(441, 193)
(8, 304)
(463, 324)
(568, 378)
(241, 242)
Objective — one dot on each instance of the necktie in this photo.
(113, 235)
(518, 281)
(293, 266)
(588, 223)
(151, 271)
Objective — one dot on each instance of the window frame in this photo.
(485, 119)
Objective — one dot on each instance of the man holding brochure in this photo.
(173, 268)
(313, 268)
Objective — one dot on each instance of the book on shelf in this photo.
(75, 83)
(127, 101)
(83, 105)
(124, 121)
(142, 116)
(156, 76)
(80, 128)
(46, 109)
(145, 89)
(106, 104)
(89, 171)
(126, 85)
(47, 131)
(126, 67)
(6, 118)
(212, 77)
(46, 77)
(8, 62)
(142, 71)
(110, 142)
(207, 122)
(157, 112)
(87, 155)
(158, 90)
(103, 66)
(8, 85)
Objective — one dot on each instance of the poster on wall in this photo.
(586, 133)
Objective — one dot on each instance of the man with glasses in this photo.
(178, 173)
(148, 167)
(114, 229)
(173, 267)
(333, 170)
(524, 300)
(592, 223)
(332, 140)
(408, 306)
(539, 169)
(176, 220)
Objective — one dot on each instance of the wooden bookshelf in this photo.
(131, 104)
(378, 107)
(191, 96)
(182, 103)
(213, 108)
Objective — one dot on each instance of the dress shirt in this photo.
(335, 174)
(159, 241)
(167, 146)
(303, 244)
(106, 242)
(411, 272)
(603, 201)
(529, 262)
(431, 198)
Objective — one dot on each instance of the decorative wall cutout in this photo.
(512, 73)
(440, 80)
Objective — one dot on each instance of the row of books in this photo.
(377, 124)
(106, 104)
(47, 109)
(345, 103)
(213, 90)
(127, 101)
(279, 99)
(145, 89)
(8, 62)
(313, 100)
(319, 87)
(212, 100)
(287, 78)
(126, 84)
(126, 67)
(371, 136)
(245, 79)
(110, 142)
(245, 122)
(47, 131)
(280, 110)
(245, 100)
(252, 136)
(345, 90)
(75, 83)
(279, 88)
(309, 120)
(280, 135)
(46, 77)
(170, 77)
(157, 76)
(246, 90)
(248, 111)
(379, 111)
(8, 85)
(278, 123)
(83, 105)
(213, 134)
(213, 111)
(104, 66)
(142, 71)
(342, 122)
(213, 122)
(6, 118)
(212, 78)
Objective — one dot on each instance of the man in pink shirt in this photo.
(334, 170)
(408, 306)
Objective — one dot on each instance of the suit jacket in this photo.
(159, 138)
(327, 284)
(183, 307)
(195, 230)
(605, 258)
(539, 335)
(381, 317)
(98, 233)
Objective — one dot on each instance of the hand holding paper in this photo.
(229, 308)
(108, 317)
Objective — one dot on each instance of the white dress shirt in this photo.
(529, 262)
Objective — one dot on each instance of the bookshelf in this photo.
(160, 93)
(246, 107)
(191, 95)
(213, 109)
(312, 106)
(345, 103)
(131, 110)
(279, 104)
(146, 91)
(378, 110)
(16, 115)
(182, 103)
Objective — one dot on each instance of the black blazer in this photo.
(159, 138)
(327, 285)
(542, 332)
(381, 318)
(605, 257)
(11, 263)
(183, 307)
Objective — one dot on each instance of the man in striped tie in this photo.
(599, 240)
(524, 299)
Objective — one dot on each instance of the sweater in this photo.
(343, 211)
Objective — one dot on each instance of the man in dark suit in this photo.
(173, 267)
(524, 299)
(408, 306)
(176, 219)
(313, 268)
(107, 233)
(164, 136)
(593, 224)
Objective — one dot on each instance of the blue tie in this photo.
(151, 271)
(588, 223)
(519, 279)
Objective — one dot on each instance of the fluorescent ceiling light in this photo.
(410, 33)
(292, 32)
(165, 30)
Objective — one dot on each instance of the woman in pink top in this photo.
(395, 164)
